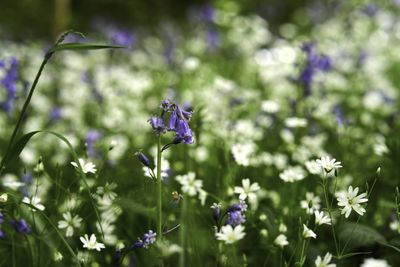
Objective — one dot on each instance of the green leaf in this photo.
(21, 143)
(360, 235)
(348, 255)
(82, 46)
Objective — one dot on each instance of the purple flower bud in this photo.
(143, 159)
(20, 226)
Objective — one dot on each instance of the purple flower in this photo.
(157, 123)
(20, 226)
(9, 82)
(91, 137)
(143, 159)
(148, 239)
(314, 63)
(1, 218)
(236, 214)
(122, 37)
(55, 114)
(2, 234)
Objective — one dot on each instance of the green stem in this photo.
(182, 233)
(159, 190)
(23, 111)
(324, 183)
(301, 262)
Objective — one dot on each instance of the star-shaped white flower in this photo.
(247, 190)
(321, 218)
(325, 262)
(350, 201)
(229, 234)
(91, 243)
(86, 166)
(307, 233)
(34, 201)
(329, 166)
(311, 203)
(70, 223)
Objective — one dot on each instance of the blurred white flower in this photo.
(69, 223)
(311, 203)
(307, 233)
(11, 181)
(328, 165)
(4, 197)
(242, 153)
(350, 201)
(190, 185)
(86, 166)
(292, 174)
(91, 243)
(321, 218)
(270, 106)
(371, 262)
(247, 190)
(313, 167)
(34, 201)
(325, 262)
(281, 241)
(294, 122)
(229, 234)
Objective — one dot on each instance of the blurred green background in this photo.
(32, 19)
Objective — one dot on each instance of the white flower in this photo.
(328, 165)
(307, 233)
(230, 235)
(34, 201)
(319, 262)
(70, 223)
(313, 167)
(3, 197)
(292, 174)
(371, 262)
(321, 219)
(91, 243)
(294, 122)
(11, 181)
(311, 203)
(86, 166)
(190, 185)
(269, 106)
(57, 256)
(395, 225)
(247, 190)
(242, 153)
(281, 241)
(350, 201)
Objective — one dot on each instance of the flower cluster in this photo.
(148, 239)
(314, 63)
(178, 122)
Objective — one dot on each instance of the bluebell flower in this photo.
(236, 213)
(123, 37)
(2, 234)
(157, 123)
(314, 63)
(55, 114)
(91, 137)
(143, 159)
(1, 218)
(178, 122)
(216, 212)
(9, 82)
(148, 239)
(20, 226)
